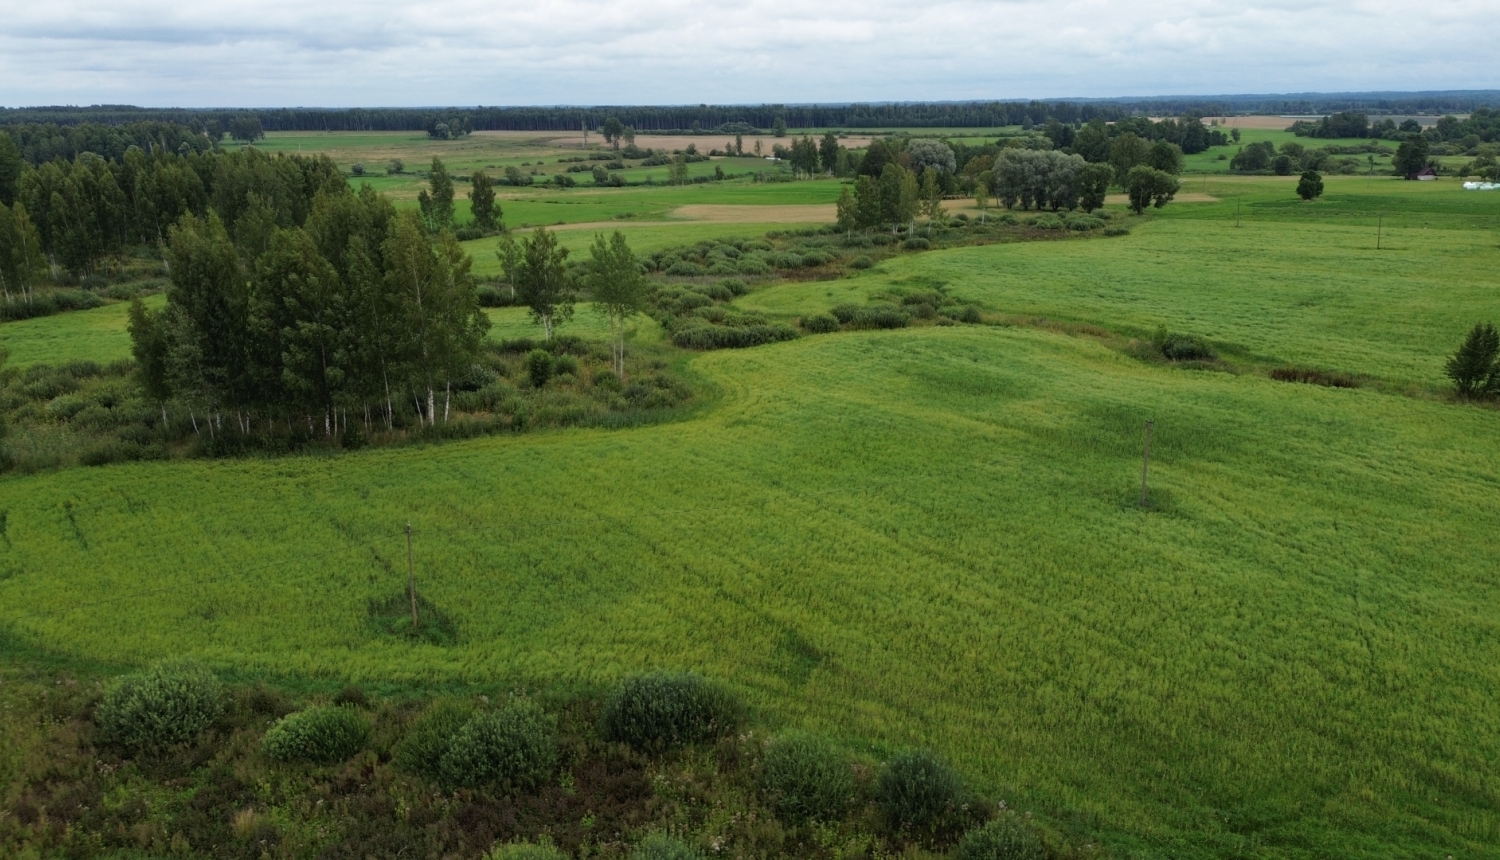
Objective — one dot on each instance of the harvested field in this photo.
(1185, 197)
(704, 142)
(732, 214)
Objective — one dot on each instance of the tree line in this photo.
(1483, 125)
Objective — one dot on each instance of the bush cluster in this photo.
(872, 316)
(512, 748)
(820, 324)
(807, 779)
(544, 850)
(1005, 838)
(661, 709)
(1181, 347)
(167, 704)
(916, 789)
(732, 337)
(323, 735)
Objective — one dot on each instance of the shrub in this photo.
(916, 787)
(735, 286)
(1047, 222)
(167, 704)
(732, 337)
(807, 779)
(543, 850)
(880, 316)
(820, 324)
(1181, 347)
(685, 269)
(970, 314)
(863, 261)
(565, 364)
(661, 846)
(1007, 218)
(539, 367)
(916, 244)
(1083, 223)
(814, 258)
(422, 749)
(1117, 230)
(1005, 838)
(318, 735)
(512, 748)
(718, 292)
(660, 709)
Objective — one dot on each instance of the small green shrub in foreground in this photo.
(421, 751)
(543, 850)
(915, 788)
(511, 748)
(660, 846)
(1005, 838)
(322, 735)
(539, 367)
(807, 778)
(665, 708)
(166, 704)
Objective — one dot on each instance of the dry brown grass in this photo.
(704, 142)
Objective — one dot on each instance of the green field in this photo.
(928, 536)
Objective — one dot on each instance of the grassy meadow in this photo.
(927, 536)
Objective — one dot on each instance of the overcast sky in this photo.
(496, 52)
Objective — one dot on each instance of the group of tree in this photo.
(1048, 179)
(1483, 125)
(351, 308)
(447, 127)
(1292, 158)
(90, 210)
(1095, 139)
(894, 199)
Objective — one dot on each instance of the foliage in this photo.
(482, 201)
(1310, 185)
(1005, 838)
(539, 367)
(820, 324)
(1181, 347)
(436, 202)
(807, 778)
(543, 850)
(430, 736)
(662, 709)
(322, 735)
(1475, 367)
(663, 846)
(916, 788)
(166, 704)
(514, 747)
(732, 337)
(1147, 186)
(541, 279)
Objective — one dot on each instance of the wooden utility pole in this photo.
(411, 579)
(1236, 211)
(1145, 461)
(1379, 227)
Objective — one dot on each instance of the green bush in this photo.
(970, 314)
(880, 316)
(735, 286)
(1007, 218)
(916, 243)
(1047, 222)
(820, 324)
(732, 337)
(318, 735)
(421, 751)
(685, 268)
(539, 367)
(660, 846)
(1004, 838)
(1083, 223)
(1181, 347)
(1117, 230)
(565, 364)
(664, 708)
(807, 779)
(863, 261)
(543, 850)
(167, 704)
(915, 788)
(512, 748)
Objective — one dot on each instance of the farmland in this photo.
(921, 537)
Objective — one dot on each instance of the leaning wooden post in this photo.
(411, 579)
(1379, 227)
(1145, 461)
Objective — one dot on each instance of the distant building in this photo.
(1426, 174)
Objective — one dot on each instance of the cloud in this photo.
(363, 52)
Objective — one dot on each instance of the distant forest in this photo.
(721, 118)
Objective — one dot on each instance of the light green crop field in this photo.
(931, 536)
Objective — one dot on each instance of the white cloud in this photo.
(281, 52)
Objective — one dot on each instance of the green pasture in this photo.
(97, 335)
(928, 536)
(919, 537)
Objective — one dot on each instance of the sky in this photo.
(268, 53)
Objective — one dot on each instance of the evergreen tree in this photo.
(11, 165)
(1310, 185)
(828, 152)
(1474, 369)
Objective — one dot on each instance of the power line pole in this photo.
(411, 580)
(1236, 211)
(1146, 461)
(1379, 227)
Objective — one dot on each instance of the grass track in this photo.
(916, 537)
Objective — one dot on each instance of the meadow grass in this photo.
(98, 334)
(919, 537)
